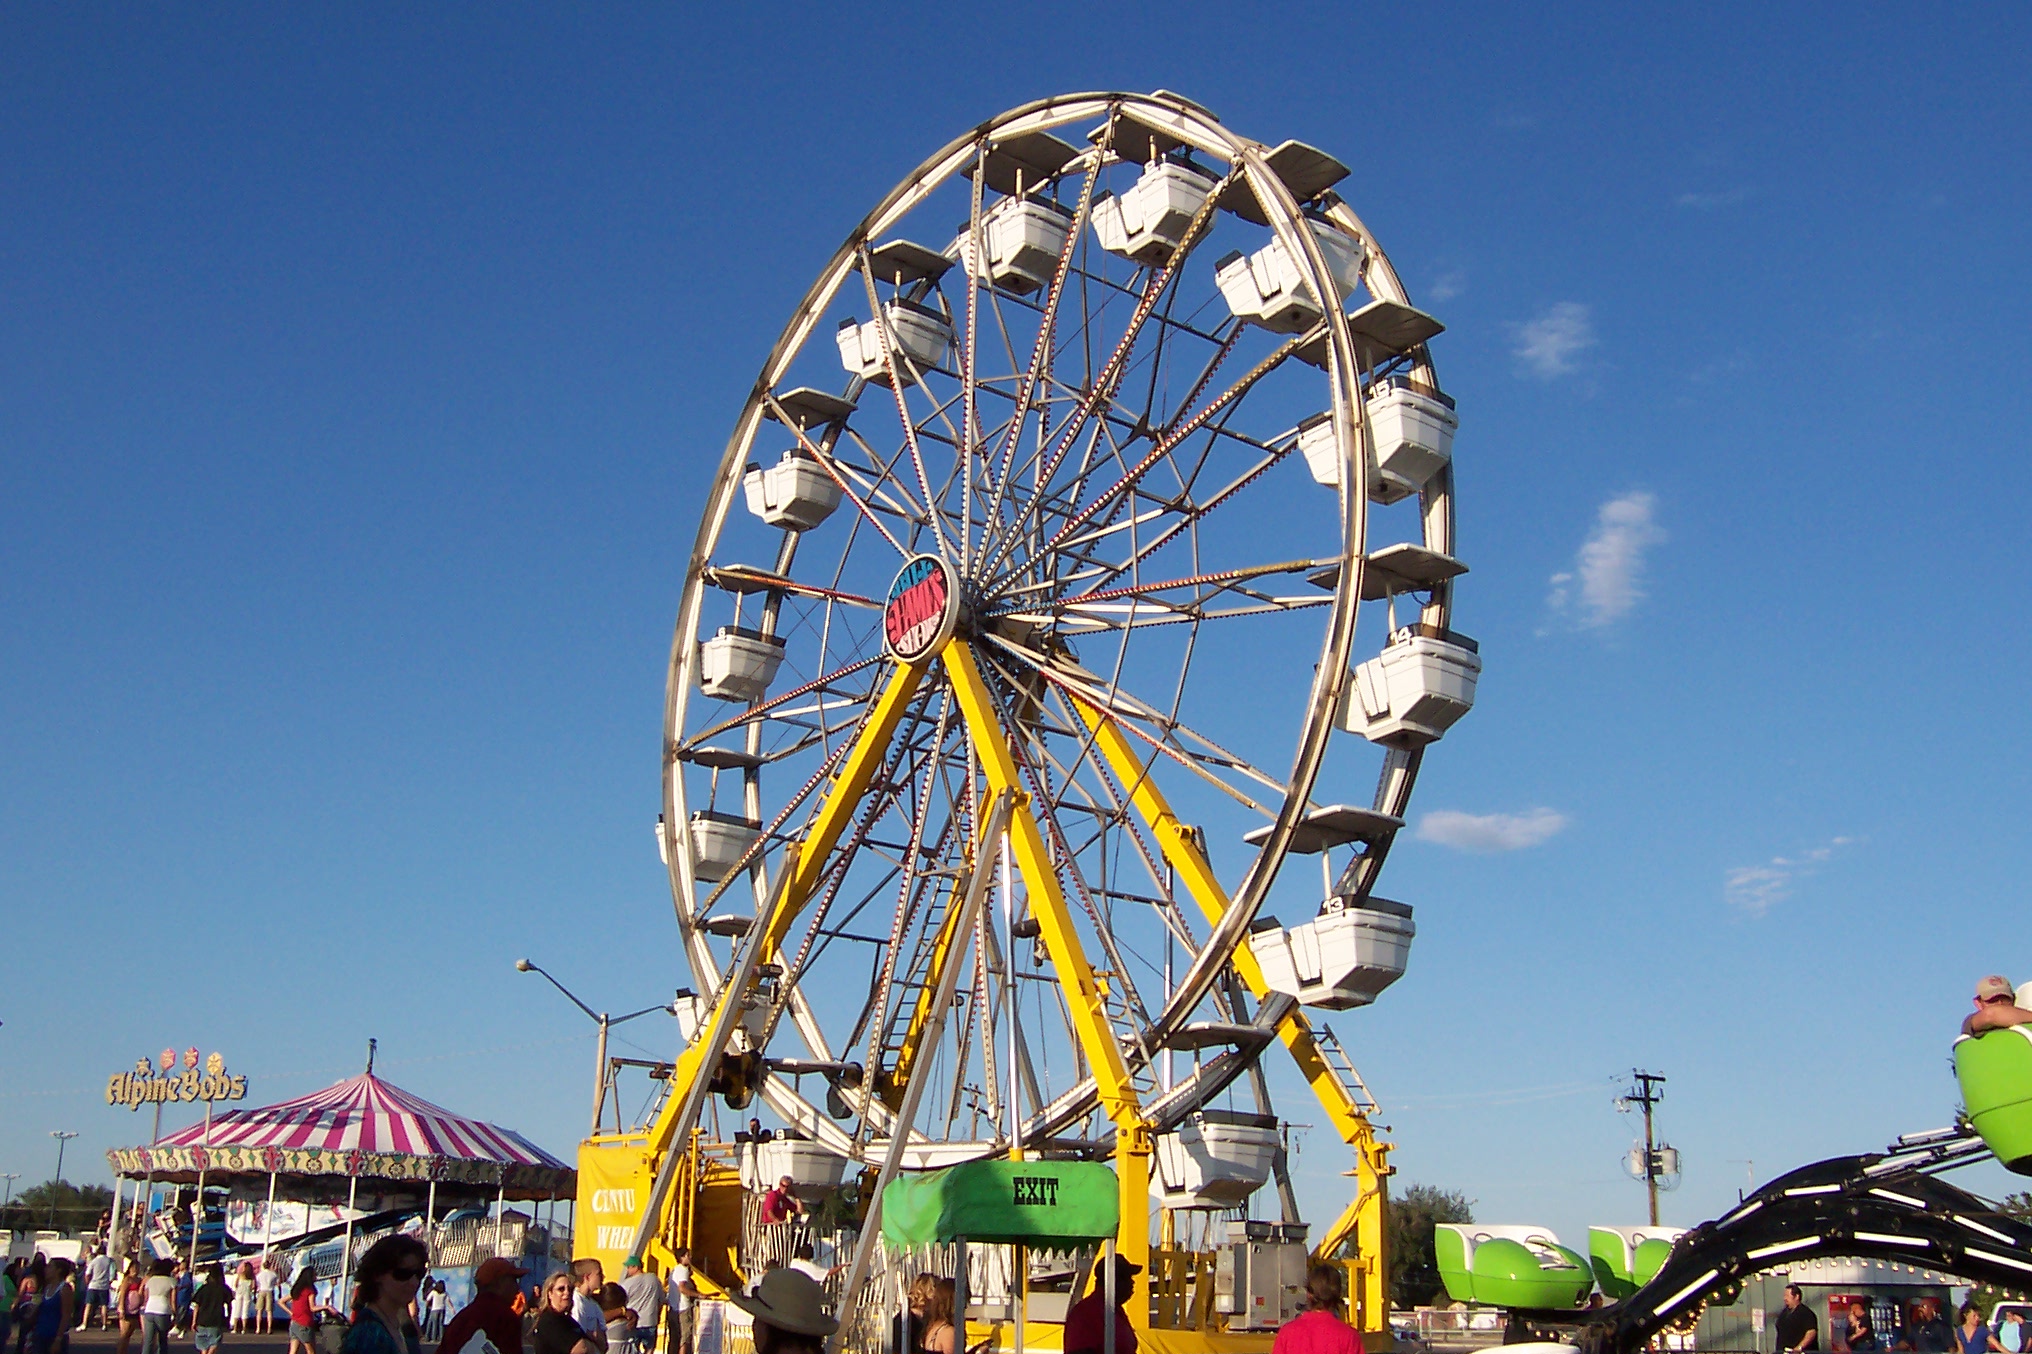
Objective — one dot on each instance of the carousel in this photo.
(347, 1163)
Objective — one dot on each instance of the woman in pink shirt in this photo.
(1319, 1328)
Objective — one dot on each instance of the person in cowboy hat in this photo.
(790, 1313)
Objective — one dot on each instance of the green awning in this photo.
(1057, 1205)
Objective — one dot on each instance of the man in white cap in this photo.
(1996, 1007)
(790, 1313)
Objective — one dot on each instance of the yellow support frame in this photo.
(836, 810)
(842, 798)
(1076, 977)
(891, 1081)
(1367, 1217)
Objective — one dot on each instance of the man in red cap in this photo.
(1996, 1007)
(1084, 1331)
(491, 1312)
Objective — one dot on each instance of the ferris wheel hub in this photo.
(925, 607)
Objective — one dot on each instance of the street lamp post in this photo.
(605, 1022)
(10, 1177)
(62, 1136)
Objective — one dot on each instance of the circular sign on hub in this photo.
(923, 609)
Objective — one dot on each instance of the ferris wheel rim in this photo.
(1344, 383)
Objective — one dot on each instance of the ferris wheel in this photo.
(1083, 553)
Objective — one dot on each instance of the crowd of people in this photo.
(1926, 1331)
(148, 1302)
(398, 1306)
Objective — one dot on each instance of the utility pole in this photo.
(62, 1136)
(1648, 1092)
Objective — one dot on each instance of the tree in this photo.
(1414, 1267)
(77, 1207)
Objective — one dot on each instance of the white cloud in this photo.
(1551, 345)
(1756, 889)
(1490, 831)
(1707, 202)
(1449, 285)
(1608, 572)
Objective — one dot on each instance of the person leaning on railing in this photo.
(1997, 1007)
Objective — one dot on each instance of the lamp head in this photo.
(523, 966)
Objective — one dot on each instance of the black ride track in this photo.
(1878, 1206)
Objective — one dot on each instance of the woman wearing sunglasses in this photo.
(556, 1332)
(386, 1284)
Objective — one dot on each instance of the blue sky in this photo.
(361, 372)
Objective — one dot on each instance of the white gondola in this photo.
(1323, 458)
(1414, 690)
(695, 1013)
(1411, 430)
(796, 492)
(1342, 958)
(1322, 451)
(1413, 426)
(1215, 1159)
(718, 841)
(738, 664)
(814, 1171)
(1021, 241)
(1147, 223)
(923, 336)
(1267, 287)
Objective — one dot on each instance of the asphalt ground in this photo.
(106, 1342)
(103, 1342)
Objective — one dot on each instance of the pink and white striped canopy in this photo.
(365, 1114)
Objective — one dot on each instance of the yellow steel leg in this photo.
(805, 868)
(842, 798)
(1132, 1238)
(1082, 992)
(1367, 1219)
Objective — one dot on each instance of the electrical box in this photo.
(1259, 1276)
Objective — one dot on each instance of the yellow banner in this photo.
(615, 1178)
